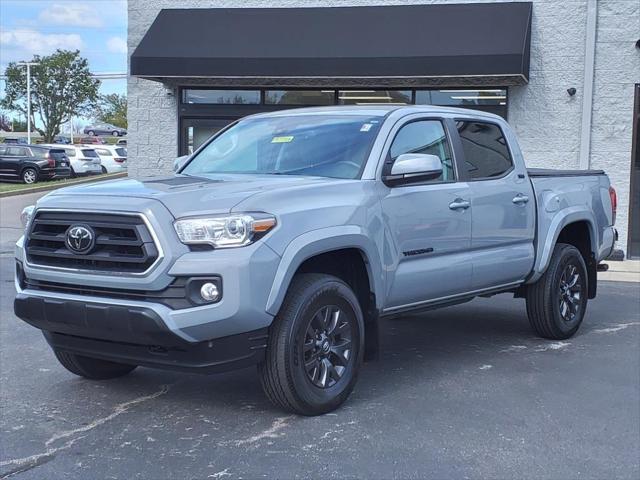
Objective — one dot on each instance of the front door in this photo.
(503, 205)
(429, 227)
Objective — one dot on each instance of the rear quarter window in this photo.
(39, 152)
(89, 153)
(122, 152)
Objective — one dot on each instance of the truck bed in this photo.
(549, 172)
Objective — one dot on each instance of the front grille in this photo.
(173, 296)
(123, 243)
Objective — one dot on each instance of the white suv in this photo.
(113, 158)
(84, 160)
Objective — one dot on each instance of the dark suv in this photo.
(30, 163)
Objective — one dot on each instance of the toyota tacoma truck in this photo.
(285, 239)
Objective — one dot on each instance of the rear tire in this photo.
(315, 346)
(92, 368)
(557, 302)
(29, 176)
(91, 133)
(115, 133)
(104, 170)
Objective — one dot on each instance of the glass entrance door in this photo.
(196, 131)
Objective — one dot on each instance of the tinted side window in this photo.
(425, 136)
(17, 151)
(485, 149)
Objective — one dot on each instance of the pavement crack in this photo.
(33, 461)
(616, 328)
(118, 410)
(271, 432)
(26, 463)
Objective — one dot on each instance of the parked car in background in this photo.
(14, 141)
(92, 141)
(105, 129)
(84, 160)
(31, 163)
(112, 158)
(122, 141)
(62, 140)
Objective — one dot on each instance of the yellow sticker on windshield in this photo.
(282, 139)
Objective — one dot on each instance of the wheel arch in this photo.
(574, 227)
(345, 252)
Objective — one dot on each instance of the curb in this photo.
(62, 184)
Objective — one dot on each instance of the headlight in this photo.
(25, 216)
(225, 231)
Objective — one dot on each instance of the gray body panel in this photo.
(495, 244)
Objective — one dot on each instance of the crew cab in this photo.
(284, 239)
(31, 163)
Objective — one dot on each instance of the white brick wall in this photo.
(546, 119)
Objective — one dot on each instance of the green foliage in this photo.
(113, 109)
(61, 87)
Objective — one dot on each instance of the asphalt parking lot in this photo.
(463, 392)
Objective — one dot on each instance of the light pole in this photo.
(28, 65)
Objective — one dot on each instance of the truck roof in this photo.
(375, 110)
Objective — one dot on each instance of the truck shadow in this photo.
(426, 347)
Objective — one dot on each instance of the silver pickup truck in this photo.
(285, 239)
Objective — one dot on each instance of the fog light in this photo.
(209, 292)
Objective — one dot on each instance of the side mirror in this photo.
(414, 167)
(179, 162)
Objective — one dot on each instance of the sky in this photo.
(98, 28)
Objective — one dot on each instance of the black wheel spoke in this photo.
(327, 346)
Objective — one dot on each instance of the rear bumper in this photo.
(134, 335)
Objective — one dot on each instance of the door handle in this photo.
(520, 199)
(459, 204)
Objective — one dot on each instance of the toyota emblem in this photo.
(80, 239)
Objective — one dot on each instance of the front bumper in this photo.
(134, 335)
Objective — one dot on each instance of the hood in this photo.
(186, 195)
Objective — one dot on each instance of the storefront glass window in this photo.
(221, 97)
(359, 97)
(489, 100)
(299, 97)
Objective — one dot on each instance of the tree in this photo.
(113, 109)
(61, 87)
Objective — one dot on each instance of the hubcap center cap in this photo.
(325, 346)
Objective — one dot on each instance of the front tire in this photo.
(91, 133)
(115, 133)
(557, 302)
(315, 347)
(92, 368)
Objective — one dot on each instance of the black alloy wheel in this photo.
(326, 347)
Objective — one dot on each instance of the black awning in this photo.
(459, 40)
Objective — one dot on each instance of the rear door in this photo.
(8, 165)
(13, 160)
(428, 226)
(503, 205)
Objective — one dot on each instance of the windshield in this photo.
(317, 145)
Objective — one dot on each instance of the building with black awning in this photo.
(196, 66)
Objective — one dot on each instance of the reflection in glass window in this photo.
(493, 100)
(485, 150)
(221, 97)
(359, 97)
(299, 97)
(426, 137)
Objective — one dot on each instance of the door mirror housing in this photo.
(414, 167)
(179, 162)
